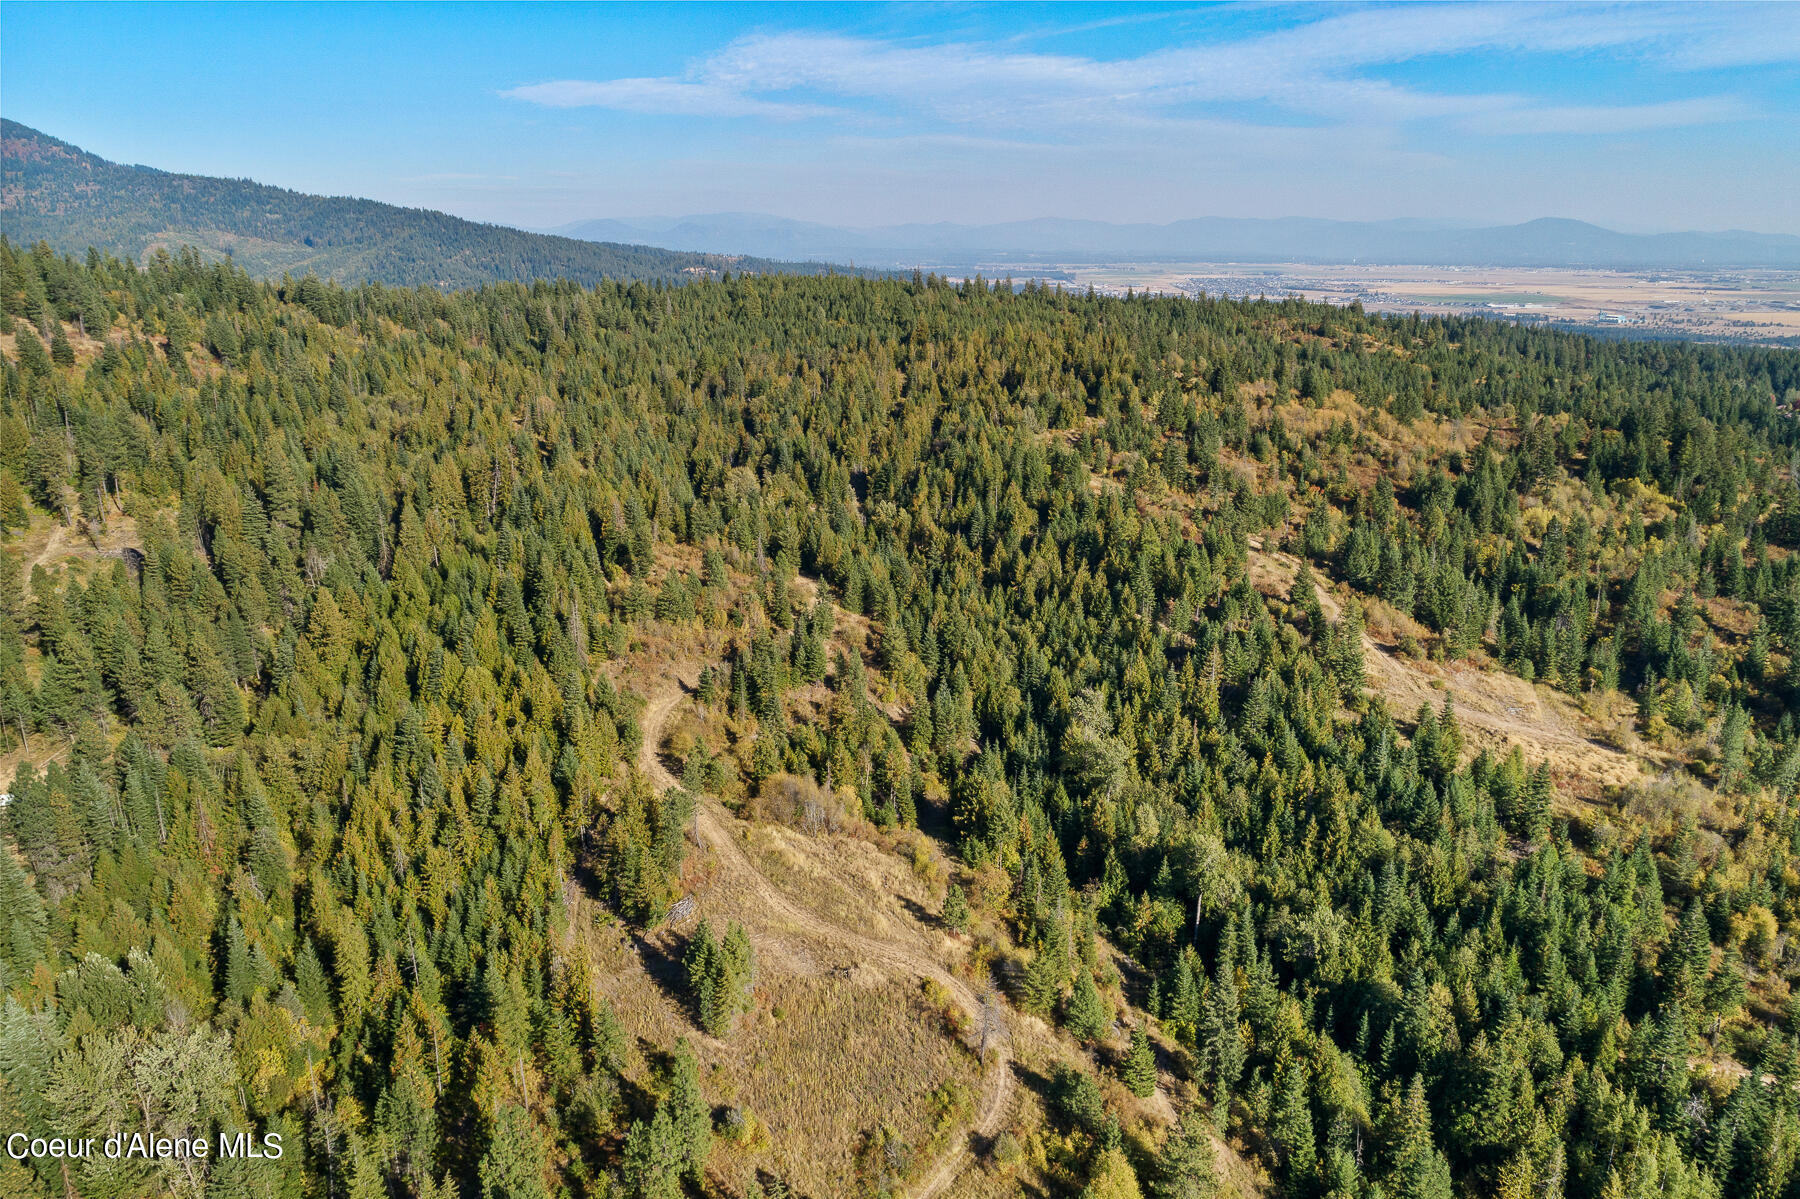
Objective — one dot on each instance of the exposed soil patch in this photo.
(1495, 710)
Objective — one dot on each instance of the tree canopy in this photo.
(339, 733)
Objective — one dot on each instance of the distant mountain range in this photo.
(1546, 242)
(59, 193)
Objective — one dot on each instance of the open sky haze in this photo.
(1638, 117)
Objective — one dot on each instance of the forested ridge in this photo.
(328, 743)
(52, 190)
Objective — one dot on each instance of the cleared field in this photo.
(830, 1051)
(1508, 298)
(1734, 305)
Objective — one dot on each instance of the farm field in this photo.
(1752, 306)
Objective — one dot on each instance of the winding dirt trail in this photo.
(717, 831)
(52, 544)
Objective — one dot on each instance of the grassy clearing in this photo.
(826, 1060)
(835, 1047)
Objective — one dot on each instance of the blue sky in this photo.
(1639, 117)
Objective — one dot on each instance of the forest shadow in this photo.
(921, 914)
(666, 969)
(933, 819)
(1134, 979)
(634, 1095)
(1033, 1080)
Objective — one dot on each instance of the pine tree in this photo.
(705, 977)
(718, 975)
(1041, 985)
(1342, 1173)
(653, 1159)
(216, 694)
(956, 909)
(1419, 1169)
(311, 984)
(1291, 1126)
(1726, 991)
(1075, 1096)
(1221, 1037)
(690, 1119)
(1112, 1177)
(32, 358)
(1185, 1166)
(61, 352)
(1535, 805)
(607, 1043)
(240, 980)
(1685, 963)
(736, 959)
(1344, 650)
(13, 514)
(1656, 1062)
(222, 339)
(1139, 1068)
(1184, 1009)
(1732, 735)
(22, 920)
(1086, 1014)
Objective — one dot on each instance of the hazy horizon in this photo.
(1639, 119)
(650, 219)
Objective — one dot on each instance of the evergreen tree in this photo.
(1185, 1166)
(956, 909)
(23, 926)
(718, 976)
(1688, 958)
(1221, 1038)
(1075, 1097)
(61, 352)
(1183, 1016)
(33, 361)
(1112, 1177)
(1535, 804)
(1419, 1170)
(654, 1159)
(1042, 982)
(1085, 1014)
(513, 1166)
(1291, 1126)
(1139, 1068)
(690, 1119)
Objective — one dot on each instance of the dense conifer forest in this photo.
(328, 617)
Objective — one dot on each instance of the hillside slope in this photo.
(547, 740)
(59, 193)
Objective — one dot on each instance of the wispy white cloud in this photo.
(664, 97)
(1322, 70)
(1770, 36)
(1600, 119)
(1348, 111)
(456, 177)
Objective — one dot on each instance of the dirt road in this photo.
(721, 832)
